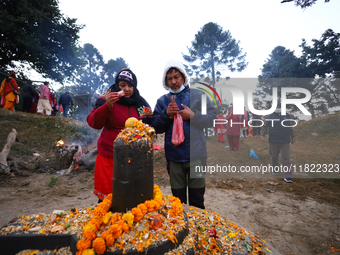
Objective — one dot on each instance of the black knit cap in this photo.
(128, 76)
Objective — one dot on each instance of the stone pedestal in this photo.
(132, 174)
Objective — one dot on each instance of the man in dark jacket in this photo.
(28, 96)
(191, 152)
(280, 138)
(66, 100)
(256, 123)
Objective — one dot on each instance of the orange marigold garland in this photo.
(120, 224)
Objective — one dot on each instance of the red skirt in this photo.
(103, 174)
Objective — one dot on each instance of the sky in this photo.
(149, 33)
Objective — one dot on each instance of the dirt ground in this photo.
(295, 218)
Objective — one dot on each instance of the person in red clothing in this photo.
(220, 128)
(44, 103)
(8, 86)
(34, 106)
(110, 113)
(233, 129)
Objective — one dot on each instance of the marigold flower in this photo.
(116, 230)
(107, 217)
(114, 218)
(137, 213)
(125, 227)
(101, 209)
(128, 218)
(88, 252)
(96, 221)
(89, 234)
(152, 205)
(108, 198)
(109, 239)
(99, 245)
(90, 227)
(143, 208)
(83, 244)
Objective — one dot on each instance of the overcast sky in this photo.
(149, 33)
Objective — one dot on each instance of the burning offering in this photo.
(60, 143)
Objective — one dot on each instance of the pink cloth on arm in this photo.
(44, 92)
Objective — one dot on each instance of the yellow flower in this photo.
(107, 217)
(231, 235)
(90, 227)
(128, 217)
(88, 252)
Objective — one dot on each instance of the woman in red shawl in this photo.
(109, 114)
(233, 130)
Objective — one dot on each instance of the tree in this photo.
(92, 77)
(323, 59)
(213, 48)
(112, 68)
(35, 32)
(284, 69)
(324, 56)
(96, 75)
(89, 78)
(303, 3)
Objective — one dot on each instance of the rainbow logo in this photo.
(209, 93)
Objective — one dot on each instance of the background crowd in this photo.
(37, 99)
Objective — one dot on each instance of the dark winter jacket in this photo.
(193, 129)
(28, 91)
(66, 99)
(277, 132)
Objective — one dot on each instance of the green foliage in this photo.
(320, 60)
(111, 68)
(95, 75)
(88, 79)
(91, 79)
(324, 56)
(213, 48)
(36, 33)
(323, 59)
(53, 181)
